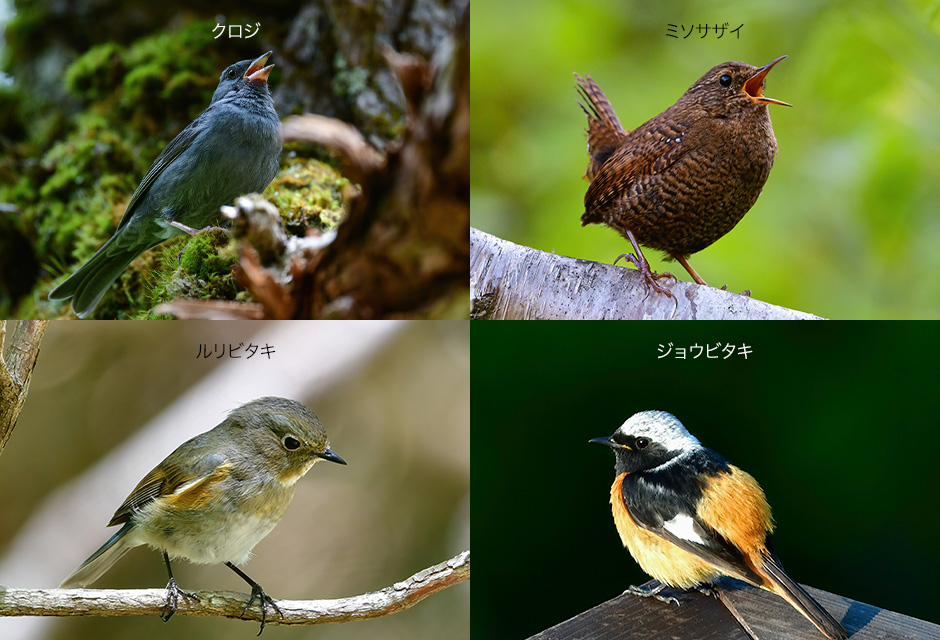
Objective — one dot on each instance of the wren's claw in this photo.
(746, 293)
(173, 592)
(649, 277)
(257, 593)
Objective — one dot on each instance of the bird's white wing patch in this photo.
(683, 526)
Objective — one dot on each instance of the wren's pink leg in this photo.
(688, 267)
(698, 278)
(640, 262)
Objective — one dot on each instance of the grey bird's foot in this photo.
(189, 230)
(257, 593)
(173, 592)
(651, 592)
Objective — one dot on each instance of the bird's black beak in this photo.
(332, 457)
(257, 72)
(607, 442)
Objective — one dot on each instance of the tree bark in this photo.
(512, 282)
(19, 353)
(130, 602)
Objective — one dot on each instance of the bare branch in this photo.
(19, 350)
(228, 604)
(512, 282)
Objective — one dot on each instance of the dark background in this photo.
(837, 421)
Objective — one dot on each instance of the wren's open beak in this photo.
(607, 442)
(257, 72)
(328, 453)
(754, 87)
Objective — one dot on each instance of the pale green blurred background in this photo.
(393, 397)
(849, 222)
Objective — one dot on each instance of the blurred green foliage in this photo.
(837, 421)
(849, 220)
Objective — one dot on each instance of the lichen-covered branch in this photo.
(228, 604)
(19, 353)
(512, 282)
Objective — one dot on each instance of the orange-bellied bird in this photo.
(689, 517)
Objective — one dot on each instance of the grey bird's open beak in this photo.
(256, 71)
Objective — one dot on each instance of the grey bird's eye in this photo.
(641, 443)
(291, 443)
(724, 80)
(230, 74)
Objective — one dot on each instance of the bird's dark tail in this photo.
(604, 132)
(88, 285)
(101, 560)
(784, 586)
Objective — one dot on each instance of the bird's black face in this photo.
(635, 453)
(732, 88)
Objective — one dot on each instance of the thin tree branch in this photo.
(512, 282)
(19, 353)
(229, 604)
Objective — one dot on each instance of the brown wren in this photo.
(684, 178)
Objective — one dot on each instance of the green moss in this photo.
(209, 255)
(307, 193)
(192, 267)
(94, 75)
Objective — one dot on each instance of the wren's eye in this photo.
(291, 443)
(724, 80)
(641, 443)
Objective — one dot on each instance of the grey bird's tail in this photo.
(784, 586)
(88, 285)
(101, 560)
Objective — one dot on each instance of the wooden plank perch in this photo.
(701, 617)
(512, 282)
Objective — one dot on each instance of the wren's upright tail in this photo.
(784, 586)
(604, 132)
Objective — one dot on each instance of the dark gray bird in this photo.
(230, 149)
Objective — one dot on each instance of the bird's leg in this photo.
(190, 231)
(257, 593)
(173, 592)
(688, 267)
(651, 592)
(643, 266)
(698, 278)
